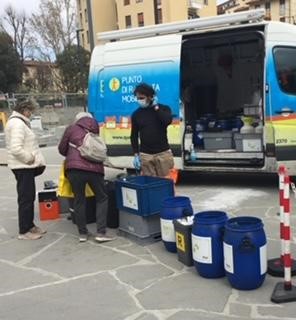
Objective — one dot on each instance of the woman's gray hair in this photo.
(82, 115)
(24, 105)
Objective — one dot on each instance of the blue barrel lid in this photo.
(210, 217)
(179, 201)
(244, 224)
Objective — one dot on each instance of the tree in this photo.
(55, 23)
(10, 64)
(16, 24)
(74, 66)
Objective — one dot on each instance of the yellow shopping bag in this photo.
(65, 189)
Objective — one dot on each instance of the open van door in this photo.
(281, 103)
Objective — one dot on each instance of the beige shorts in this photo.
(158, 164)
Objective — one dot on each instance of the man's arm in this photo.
(164, 114)
(135, 136)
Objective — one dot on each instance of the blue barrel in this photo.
(173, 208)
(245, 260)
(237, 123)
(197, 136)
(207, 243)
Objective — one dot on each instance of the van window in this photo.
(285, 62)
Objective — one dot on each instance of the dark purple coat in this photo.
(75, 134)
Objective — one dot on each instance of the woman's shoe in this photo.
(83, 237)
(102, 237)
(29, 236)
(38, 230)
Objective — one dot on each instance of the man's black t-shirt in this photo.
(151, 125)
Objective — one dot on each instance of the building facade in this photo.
(276, 10)
(105, 15)
(41, 76)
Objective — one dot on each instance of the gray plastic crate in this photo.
(248, 142)
(141, 227)
(218, 140)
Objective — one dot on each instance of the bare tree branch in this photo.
(16, 24)
(55, 24)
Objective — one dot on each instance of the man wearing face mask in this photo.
(149, 123)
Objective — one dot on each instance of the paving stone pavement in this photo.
(59, 278)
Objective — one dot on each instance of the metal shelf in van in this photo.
(200, 154)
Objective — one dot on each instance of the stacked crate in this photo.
(139, 200)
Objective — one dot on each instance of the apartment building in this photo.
(276, 10)
(137, 13)
(95, 16)
(104, 15)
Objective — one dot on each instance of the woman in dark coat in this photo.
(81, 171)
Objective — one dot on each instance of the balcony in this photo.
(195, 4)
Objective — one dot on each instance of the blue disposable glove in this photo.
(137, 162)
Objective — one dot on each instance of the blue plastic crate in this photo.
(142, 195)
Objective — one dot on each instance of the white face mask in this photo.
(143, 103)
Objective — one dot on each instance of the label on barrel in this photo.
(167, 230)
(202, 249)
(263, 260)
(228, 257)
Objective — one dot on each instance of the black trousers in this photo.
(78, 180)
(25, 186)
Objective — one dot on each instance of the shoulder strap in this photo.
(16, 117)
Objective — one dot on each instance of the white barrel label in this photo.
(263, 260)
(228, 257)
(167, 230)
(202, 249)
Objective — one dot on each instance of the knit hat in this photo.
(82, 115)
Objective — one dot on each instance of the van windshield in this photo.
(285, 62)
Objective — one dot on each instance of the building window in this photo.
(87, 36)
(206, 2)
(79, 4)
(81, 21)
(126, 2)
(159, 15)
(159, 2)
(138, 1)
(85, 15)
(83, 40)
(128, 21)
(141, 19)
(282, 7)
(285, 62)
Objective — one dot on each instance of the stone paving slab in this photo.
(96, 297)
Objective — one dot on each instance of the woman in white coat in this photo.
(26, 162)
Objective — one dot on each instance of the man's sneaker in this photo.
(29, 236)
(102, 237)
(82, 237)
(36, 229)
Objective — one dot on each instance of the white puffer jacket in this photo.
(21, 143)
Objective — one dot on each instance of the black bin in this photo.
(183, 228)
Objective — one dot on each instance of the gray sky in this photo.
(28, 5)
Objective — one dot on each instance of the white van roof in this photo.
(183, 26)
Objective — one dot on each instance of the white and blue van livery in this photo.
(230, 81)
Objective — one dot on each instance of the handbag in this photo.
(93, 148)
(64, 186)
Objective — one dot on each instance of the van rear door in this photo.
(281, 95)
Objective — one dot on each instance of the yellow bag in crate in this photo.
(65, 189)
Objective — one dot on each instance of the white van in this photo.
(230, 81)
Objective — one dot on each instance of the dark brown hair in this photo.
(145, 90)
(24, 105)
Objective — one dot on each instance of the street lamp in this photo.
(80, 63)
